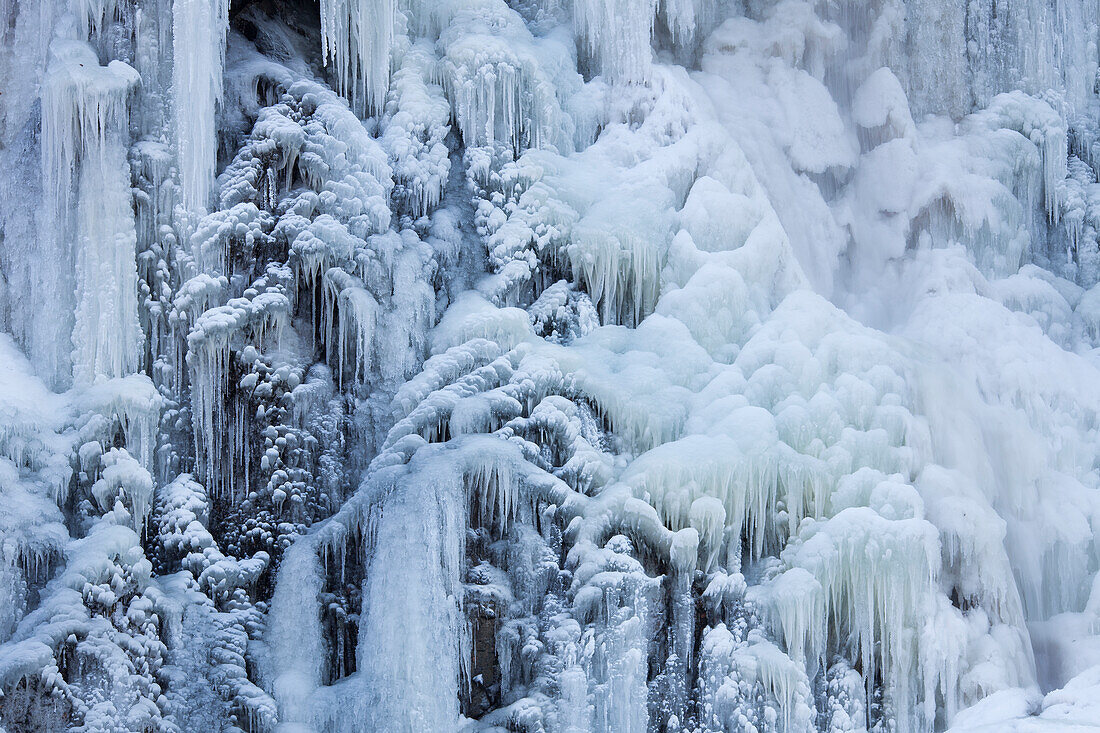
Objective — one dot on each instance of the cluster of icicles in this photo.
(622, 465)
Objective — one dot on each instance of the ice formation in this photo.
(564, 366)
(356, 38)
(198, 51)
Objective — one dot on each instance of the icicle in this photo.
(708, 517)
(798, 604)
(123, 477)
(84, 106)
(878, 577)
(619, 267)
(199, 30)
(618, 669)
(85, 120)
(208, 357)
(491, 483)
(748, 486)
(414, 135)
(107, 338)
(92, 16)
(356, 38)
(358, 315)
(616, 34)
(135, 404)
(494, 78)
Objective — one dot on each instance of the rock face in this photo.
(563, 366)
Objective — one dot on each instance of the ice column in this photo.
(38, 299)
(199, 28)
(85, 127)
(294, 634)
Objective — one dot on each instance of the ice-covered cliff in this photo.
(563, 366)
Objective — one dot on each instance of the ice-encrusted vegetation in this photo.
(550, 366)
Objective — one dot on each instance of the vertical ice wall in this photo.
(409, 643)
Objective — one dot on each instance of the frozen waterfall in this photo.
(550, 366)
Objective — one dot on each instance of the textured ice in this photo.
(590, 366)
(356, 39)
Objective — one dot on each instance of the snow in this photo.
(358, 314)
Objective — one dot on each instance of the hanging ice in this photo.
(568, 366)
(616, 34)
(198, 52)
(357, 37)
(85, 129)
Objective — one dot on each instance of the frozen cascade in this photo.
(411, 658)
(44, 337)
(550, 366)
(85, 122)
(199, 28)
